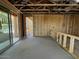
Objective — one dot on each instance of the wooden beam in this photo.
(52, 12)
(10, 6)
(39, 1)
(36, 2)
(38, 7)
(17, 1)
(66, 5)
(21, 8)
(49, 10)
(30, 2)
(34, 9)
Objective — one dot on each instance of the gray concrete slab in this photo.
(36, 48)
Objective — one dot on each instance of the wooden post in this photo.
(24, 25)
(57, 37)
(20, 25)
(65, 40)
(60, 40)
(71, 49)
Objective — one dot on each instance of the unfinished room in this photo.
(39, 29)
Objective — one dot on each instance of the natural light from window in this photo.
(77, 0)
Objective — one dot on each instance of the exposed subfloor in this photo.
(36, 48)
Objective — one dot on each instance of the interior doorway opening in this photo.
(15, 29)
(29, 26)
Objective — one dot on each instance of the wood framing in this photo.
(72, 42)
(67, 5)
(58, 6)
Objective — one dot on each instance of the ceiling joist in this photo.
(49, 6)
(66, 5)
(17, 1)
(51, 10)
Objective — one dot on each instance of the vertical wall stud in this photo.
(65, 40)
(71, 45)
(60, 40)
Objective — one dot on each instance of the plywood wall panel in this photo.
(72, 23)
(44, 23)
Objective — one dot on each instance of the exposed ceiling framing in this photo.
(67, 5)
(50, 6)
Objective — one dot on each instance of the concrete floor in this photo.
(36, 48)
